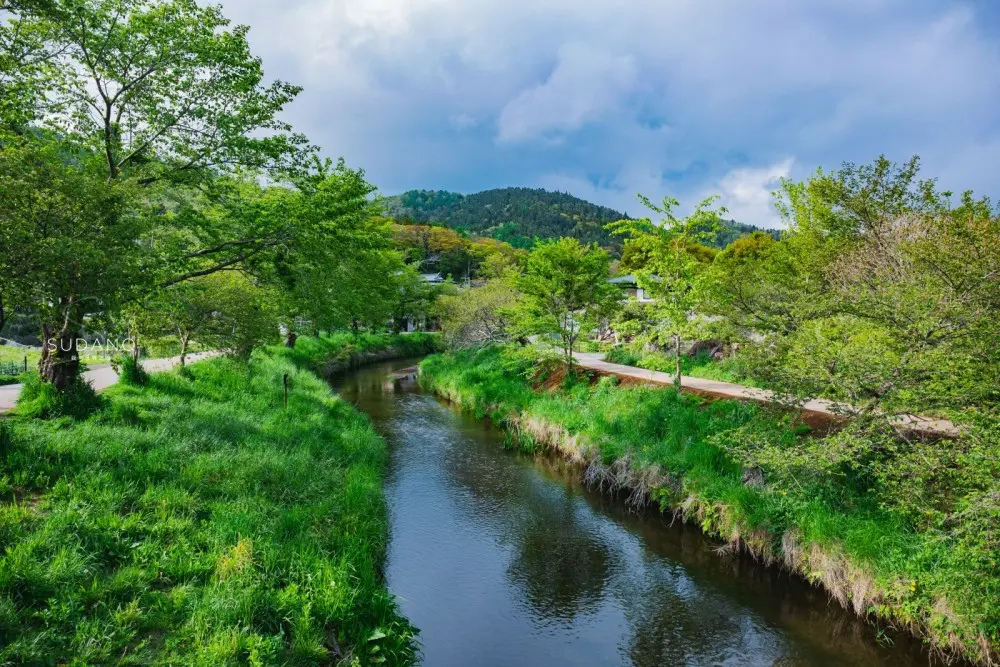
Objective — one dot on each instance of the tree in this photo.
(565, 284)
(113, 95)
(163, 88)
(71, 243)
(480, 315)
(333, 264)
(671, 266)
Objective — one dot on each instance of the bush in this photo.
(130, 370)
(623, 356)
(40, 400)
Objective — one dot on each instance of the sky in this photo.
(605, 99)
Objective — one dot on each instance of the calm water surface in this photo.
(506, 559)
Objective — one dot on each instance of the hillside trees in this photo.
(430, 248)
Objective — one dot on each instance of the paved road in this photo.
(101, 377)
(718, 389)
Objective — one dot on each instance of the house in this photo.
(630, 286)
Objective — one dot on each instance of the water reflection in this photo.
(502, 559)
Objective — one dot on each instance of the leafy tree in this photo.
(671, 266)
(71, 243)
(565, 287)
(337, 251)
(120, 94)
(480, 315)
(415, 296)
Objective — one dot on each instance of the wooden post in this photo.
(25, 363)
(286, 391)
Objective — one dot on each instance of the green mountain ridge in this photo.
(519, 215)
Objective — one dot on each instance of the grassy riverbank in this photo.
(788, 500)
(338, 352)
(196, 521)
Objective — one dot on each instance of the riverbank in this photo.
(335, 353)
(195, 519)
(791, 507)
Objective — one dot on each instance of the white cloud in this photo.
(614, 97)
(586, 85)
(747, 193)
(462, 121)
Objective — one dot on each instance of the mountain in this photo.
(518, 215)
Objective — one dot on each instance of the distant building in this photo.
(630, 286)
(433, 278)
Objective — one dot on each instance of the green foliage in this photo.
(336, 352)
(432, 248)
(130, 370)
(623, 356)
(519, 216)
(196, 521)
(522, 216)
(40, 400)
(479, 315)
(672, 266)
(178, 92)
(566, 291)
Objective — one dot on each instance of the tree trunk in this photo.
(184, 348)
(60, 362)
(291, 338)
(677, 362)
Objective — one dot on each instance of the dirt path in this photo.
(101, 377)
(714, 388)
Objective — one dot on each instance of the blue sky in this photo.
(605, 99)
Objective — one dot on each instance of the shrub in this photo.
(623, 356)
(40, 400)
(130, 370)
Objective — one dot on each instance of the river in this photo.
(506, 559)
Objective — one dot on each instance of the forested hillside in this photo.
(518, 215)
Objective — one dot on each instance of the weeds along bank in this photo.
(328, 355)
(786, 502)
(194, 520)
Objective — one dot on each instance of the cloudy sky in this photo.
(607, 98)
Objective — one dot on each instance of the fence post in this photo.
(25, 363)
(286, 391)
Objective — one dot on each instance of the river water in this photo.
(507, 559)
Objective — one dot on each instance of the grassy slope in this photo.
(196, 521)
(674, 449)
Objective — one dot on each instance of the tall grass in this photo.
(830, 524)
(194, 520)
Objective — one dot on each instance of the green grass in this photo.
(342, 351)
(841, 530)
(193, 520)
(730, 369)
